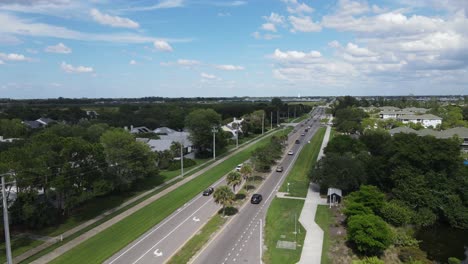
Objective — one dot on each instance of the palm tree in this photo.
(224, 196)
(246, 171)
(233, 179)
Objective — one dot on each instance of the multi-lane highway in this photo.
(241, 240)
(163, 240)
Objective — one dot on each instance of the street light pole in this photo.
(263, 122)
(214, 130)
(6, 226)
(182, 154)
(271, 121)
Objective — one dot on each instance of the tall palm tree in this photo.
(233, 179)
(224, 196)
(246, 171)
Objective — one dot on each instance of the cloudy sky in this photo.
(174, 48)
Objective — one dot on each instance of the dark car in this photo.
(256, 198)
(297, 141)
(208, 191)
(279, 169)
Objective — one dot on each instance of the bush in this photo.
(369, 233)
(353, 208)
(412, 254)
(402, 239)
(372, 260)
(424, 217)
(369, 196)
(396, 213)
(453, 260)
(175, 165)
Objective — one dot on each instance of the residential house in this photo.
(41, 122)
(416, 110)
(165, 140)
(426, 120)
(139, 130)
(459, 132)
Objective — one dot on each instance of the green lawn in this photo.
(298, 177)
(19, 245)
(198, 241)
(103, 245)
(280, 226)
(323, 218)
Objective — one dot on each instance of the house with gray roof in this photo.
(165, 141)
(459, 132)
(41, 122)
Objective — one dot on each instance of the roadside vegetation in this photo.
(288, 210)
(298, 176)
(393, 187)
(323, 218)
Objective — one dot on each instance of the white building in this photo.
(426, 120)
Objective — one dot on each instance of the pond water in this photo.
(441, 242)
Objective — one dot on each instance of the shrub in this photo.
(396, 213)
(175, 165)
(424, 217)
(369, 196)
(372, 260)
(369, 233)
(453, 260)
(412, 254)
(402, 239)
(353, 208)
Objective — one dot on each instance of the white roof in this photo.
(334, 191)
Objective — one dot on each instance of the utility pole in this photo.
(288, 114)
(237, 138)
(263, 122)
(277, 118)
(271, 121)
(214, 130)
(5, 221)
(294, 112)
(182, 153)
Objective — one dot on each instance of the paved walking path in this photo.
(312, 249)
(283, 195)
(78, 240)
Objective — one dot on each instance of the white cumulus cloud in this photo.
(228, 67)
(13, 57)
(269, 27)
(303, 24)
(113, 21)
(162, 45)
(208, 76)
(59, 48)
(132, 62)
(68, 68)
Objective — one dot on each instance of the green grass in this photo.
(198, 241)
(19, 245)
(86, 229)
(287, 210)
(332, 133)
(323, 218)
(298, 177)
(103, 245)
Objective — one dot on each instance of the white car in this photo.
(239, 167)
(291, 152)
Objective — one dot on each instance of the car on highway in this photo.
(297, 141)
(208, 191)
(256, 198)
(239, 167)
(291, 152)
(303, 134)
(279, 169)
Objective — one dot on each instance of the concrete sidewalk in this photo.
(83, 237)
(312, 249)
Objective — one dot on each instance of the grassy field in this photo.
(198, 241)
(298, 176)
(103, 245)
(19, 245)
(323, 218)
(287, 210)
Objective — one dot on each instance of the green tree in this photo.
(353, 208)
(396, 213)
(372, 260)
(128, 160)
(223, 196)
(368, 195)
(200, 123)
(344, 143)
(369, 233)
(233, 179)
(12, 128)
(246, 171)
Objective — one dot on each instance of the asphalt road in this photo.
(162, 241)
(241, 240)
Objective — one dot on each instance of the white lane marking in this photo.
(150, 233)
(261, 241)
(196, 219)
(157, 253)
(173, 230)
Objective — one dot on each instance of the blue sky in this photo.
(174, 48)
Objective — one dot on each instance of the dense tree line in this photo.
(423, 173)
(60, 167)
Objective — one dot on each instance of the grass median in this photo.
(103, 245)
(323, 218)
(281, 223)
(298, 177)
